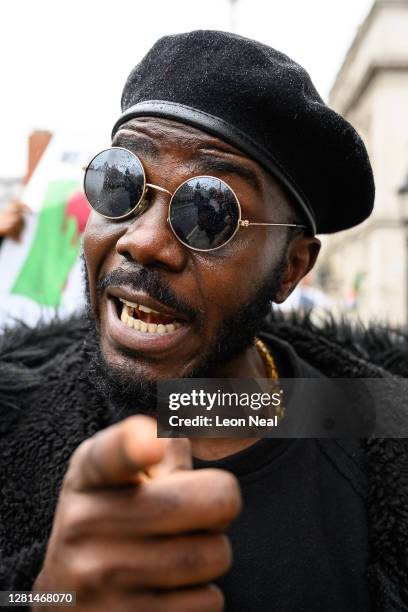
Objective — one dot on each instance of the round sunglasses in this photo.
(204, 211)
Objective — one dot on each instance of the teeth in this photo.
(151, 328)
(147, 309)
(124, 316)
(130, 304)
(139, 306)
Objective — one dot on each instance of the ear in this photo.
(301, 257)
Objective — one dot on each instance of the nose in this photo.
(149, 239)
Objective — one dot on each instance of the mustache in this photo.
(150, 282)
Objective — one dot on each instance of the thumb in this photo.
(20, 207)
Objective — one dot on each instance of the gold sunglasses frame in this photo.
(240, 222)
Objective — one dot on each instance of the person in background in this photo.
(12, 220)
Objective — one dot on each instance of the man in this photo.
(92, 501)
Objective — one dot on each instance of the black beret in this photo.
(266, 105)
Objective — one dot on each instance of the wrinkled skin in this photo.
(120, 541)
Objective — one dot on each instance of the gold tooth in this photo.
(138, 324)
(127, 303)
(146, 309)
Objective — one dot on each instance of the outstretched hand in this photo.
(136, 528)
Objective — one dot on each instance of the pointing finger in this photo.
(117, 455)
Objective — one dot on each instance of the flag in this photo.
(41, 274)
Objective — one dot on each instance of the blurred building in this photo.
(366, 268)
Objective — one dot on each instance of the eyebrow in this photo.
(204, 164)
(137, 144)
(208, 163)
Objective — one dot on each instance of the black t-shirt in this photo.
(300, 542)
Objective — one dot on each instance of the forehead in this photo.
(167, 133)
(157, 138)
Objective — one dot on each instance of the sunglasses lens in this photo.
(204, 213)
(114, 182)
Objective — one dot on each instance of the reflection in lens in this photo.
(204, 213)
(114, 182)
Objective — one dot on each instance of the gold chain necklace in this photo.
(266, 356)
(272, 372)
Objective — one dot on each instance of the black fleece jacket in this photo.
(49, 405)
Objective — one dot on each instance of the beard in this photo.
(235, 334)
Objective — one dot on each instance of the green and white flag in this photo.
(41, 274)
